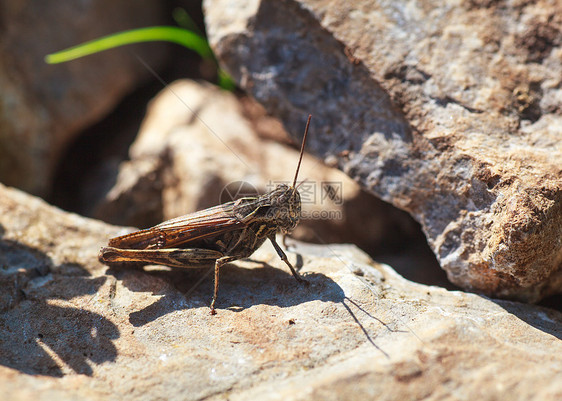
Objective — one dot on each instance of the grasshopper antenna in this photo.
(302, 149)
(302, 182)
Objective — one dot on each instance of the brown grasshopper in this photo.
(220, 234)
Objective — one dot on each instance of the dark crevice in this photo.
(90, 163)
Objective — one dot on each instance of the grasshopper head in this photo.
(286, 207)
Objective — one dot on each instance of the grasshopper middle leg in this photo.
(218, 264)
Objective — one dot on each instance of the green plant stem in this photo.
(172, 34)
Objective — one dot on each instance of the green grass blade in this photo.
(184, 20)
(172, 34)
(225, 81)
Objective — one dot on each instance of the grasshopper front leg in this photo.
(284, 259)
(284, 242)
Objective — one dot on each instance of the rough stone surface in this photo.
(43, 107)
(181, 163)
(451, 111)
(71, 329)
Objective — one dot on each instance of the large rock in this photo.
(452, 112)
(71, 329)
(43, 107)
(196, 149)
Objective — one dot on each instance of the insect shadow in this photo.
(241, 288)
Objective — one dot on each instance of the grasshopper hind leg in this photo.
(173, 257)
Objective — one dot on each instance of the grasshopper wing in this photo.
(182, 230)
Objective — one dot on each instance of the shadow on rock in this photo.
(541, 318)
(240, 288)
(42, 333)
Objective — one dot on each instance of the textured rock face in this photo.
(452, 112)
(43, 107)
(72, 329)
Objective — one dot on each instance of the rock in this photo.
(73, 329)
(43, 107)
(452, 113)
(181, 163)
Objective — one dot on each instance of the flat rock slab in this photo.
(74, 329)
(452, 112)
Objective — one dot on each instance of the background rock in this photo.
(43, 107)
(73, 329)
(451, 112)
(181, 163)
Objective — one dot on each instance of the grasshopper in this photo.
(219, 235)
